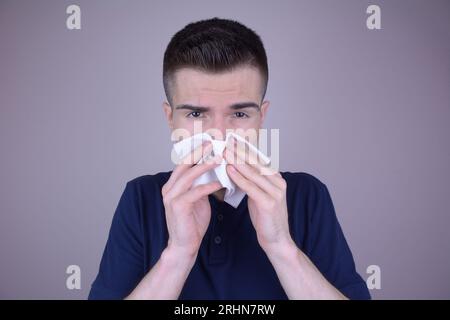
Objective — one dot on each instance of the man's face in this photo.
(230, 100)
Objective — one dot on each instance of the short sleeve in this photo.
(328, 249)
(121, 266)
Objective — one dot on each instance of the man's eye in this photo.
(194, 114)
(240, 115)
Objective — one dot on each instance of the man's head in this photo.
(215, 71)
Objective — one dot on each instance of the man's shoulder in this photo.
(304, 188)
(296, 180)
(150, 181)
(151, 178)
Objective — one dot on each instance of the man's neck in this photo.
(219, 194)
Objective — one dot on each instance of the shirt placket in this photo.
(218, 240)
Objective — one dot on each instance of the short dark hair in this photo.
(214, 45)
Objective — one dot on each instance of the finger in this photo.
(200, 191)
(185, 181)
(197, 154)
(248, 186)
(263, 169)
(185, 163)
(248, 153)
(252, 174)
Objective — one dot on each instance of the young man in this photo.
(170, 239)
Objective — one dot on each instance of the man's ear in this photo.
(263, 110)
(169, 114)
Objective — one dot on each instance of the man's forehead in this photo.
(241, 83)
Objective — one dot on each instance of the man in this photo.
(170, 239)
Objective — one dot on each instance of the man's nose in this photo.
(217, 129)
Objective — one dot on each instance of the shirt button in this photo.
(218, 240)
(220, 217)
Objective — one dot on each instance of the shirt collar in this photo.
(223, 206)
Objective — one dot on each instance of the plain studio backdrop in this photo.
(365, 111)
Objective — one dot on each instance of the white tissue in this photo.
(233, 194)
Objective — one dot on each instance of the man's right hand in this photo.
(188, 211)
(187, 214)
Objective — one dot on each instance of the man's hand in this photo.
(187, 214)
(267, 206)
(188, 211)
(266, 196)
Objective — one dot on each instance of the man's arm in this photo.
(268, 211)
(188, 214)
(167, 277)
(299, 276)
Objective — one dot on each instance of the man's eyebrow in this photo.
(191, 107)
(235, 106)
(243, 105)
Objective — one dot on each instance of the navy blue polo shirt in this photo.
(230, 263)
